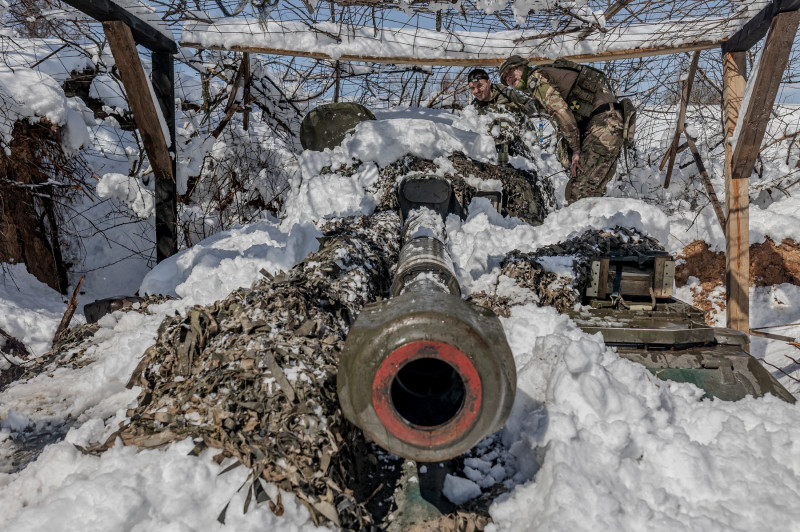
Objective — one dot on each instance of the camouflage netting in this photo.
(525, 195)
(255, 374)
(563, 292)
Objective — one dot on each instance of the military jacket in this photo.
(550, 87)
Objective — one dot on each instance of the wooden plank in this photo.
(165, 190)
(681, 125)
(123, 48)
(246, 92)
(602, 285)
(755, 28)
(464, 61)
(658, 275)
(712, 195)
(143, 33)
(737, 233)
(765, 83)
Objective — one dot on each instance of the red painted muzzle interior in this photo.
(427, 393)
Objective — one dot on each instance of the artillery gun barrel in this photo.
(426, 374)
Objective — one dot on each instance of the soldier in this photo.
(487, 94)
(588, 116)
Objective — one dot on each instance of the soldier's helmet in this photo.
(508, 64)
(325, 126)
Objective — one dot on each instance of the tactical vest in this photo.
(583, 94)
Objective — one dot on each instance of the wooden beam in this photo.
(166, 190)
(123, 48)
(763, 86)
(755, 28)
(465, 61)
(737, 199)
(144, 33)
(681, 124)
(246, 91)
(712, 195)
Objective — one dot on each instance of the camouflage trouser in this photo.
(600, 146)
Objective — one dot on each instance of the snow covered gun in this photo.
(426, 374)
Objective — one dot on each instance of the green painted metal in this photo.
(673, 345)
(326, 126)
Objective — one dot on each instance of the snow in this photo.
(125, 188)
(333, 41)
(127, 490)
(29, 310)
(459, 490)
(625, 451)
(212, 269)
(34, 95)
(598, 443)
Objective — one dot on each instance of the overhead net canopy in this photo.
(466, 32)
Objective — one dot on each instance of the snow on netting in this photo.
(465, 32)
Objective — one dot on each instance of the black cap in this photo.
(477, 73)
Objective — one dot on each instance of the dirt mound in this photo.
(770, 264)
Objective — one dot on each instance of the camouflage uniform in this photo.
(598, 136)
(503, 97)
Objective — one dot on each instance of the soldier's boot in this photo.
(568, 193)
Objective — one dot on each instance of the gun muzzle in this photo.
(425, 374)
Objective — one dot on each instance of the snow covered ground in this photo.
(596, 442)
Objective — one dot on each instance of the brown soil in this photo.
(769, 265)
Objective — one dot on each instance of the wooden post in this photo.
(166, 189)
(123, 48)
(740, 163)
(737, 234)
(246, 91)
(337, 85)
(680, 126)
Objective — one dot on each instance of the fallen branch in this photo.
(73, 304)
(780, 369)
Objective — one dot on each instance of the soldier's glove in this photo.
(531, 109)
(576, 164)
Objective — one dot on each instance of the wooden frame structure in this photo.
(744, 131)
(124, 31)
(462, 62)
(744, 128)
